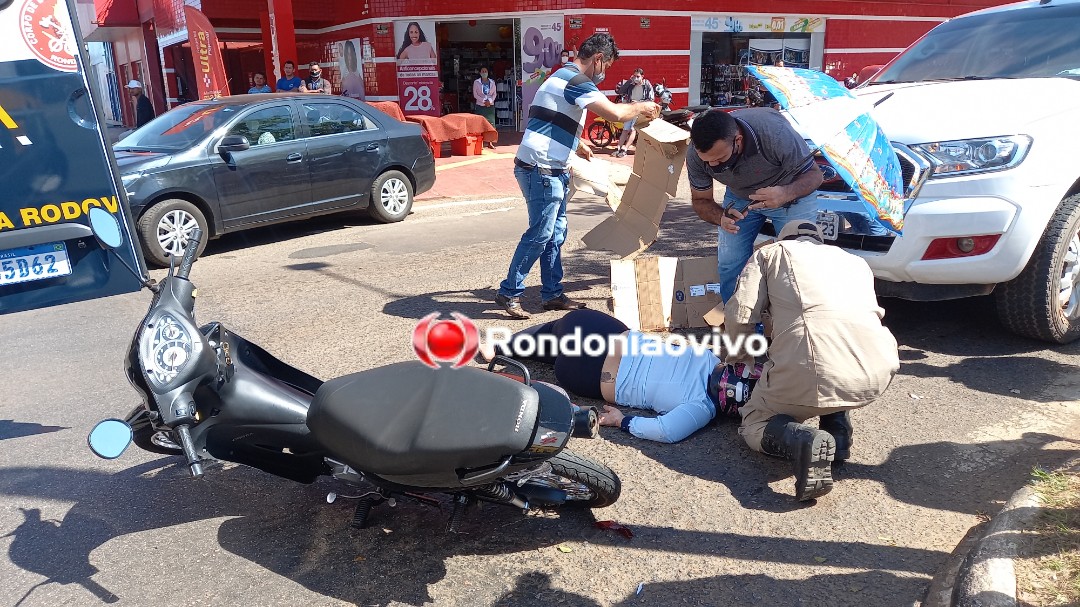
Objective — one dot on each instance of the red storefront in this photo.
(695, 48)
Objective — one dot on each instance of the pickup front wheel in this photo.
(1043, 302)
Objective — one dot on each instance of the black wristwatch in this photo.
(625, 425)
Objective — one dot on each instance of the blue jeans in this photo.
(734, 250)
(545, 197)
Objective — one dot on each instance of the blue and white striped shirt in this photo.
(557, 117)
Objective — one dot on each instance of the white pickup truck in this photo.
(984, 114)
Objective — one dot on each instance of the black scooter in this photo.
(399, 431)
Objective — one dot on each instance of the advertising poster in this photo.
(418, 67)
(350, 54)
(541, 43)
(209, 69)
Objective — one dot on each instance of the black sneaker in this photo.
(512, 305)
(563, 302)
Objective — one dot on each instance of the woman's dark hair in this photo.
(349, 52)
(599, 43)
(407, 42)
(710, 127)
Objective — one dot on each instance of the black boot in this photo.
(810, 450)
(839, 425)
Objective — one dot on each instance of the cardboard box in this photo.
(659, 293)
(697, 294)
(658, 164)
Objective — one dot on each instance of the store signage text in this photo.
(575, 23)
(756, 23)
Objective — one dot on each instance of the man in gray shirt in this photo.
(768, 173)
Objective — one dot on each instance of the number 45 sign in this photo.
(418, 89)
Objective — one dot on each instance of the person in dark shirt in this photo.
(144, 110)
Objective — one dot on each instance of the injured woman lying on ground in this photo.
(633, 369)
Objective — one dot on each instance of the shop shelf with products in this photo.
(506, 103)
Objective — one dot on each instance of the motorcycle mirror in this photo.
(109, 438)
(106, 228)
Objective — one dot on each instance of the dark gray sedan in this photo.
(252, 160)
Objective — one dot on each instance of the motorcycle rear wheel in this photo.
(587, 484)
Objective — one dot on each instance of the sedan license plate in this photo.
(36, 262)
(829, 224)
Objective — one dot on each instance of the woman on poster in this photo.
(352, 82)
(415, 46)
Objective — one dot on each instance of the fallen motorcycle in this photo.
(404, 430)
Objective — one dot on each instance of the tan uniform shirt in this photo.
(828, 347)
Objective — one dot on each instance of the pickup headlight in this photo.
(967, 156)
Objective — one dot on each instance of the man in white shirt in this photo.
(637, 88)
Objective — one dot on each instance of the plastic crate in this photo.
(469, 145)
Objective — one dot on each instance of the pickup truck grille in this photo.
(833, 183)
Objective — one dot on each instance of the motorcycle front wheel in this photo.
(600, 134)
(149, 439)
(587, 484)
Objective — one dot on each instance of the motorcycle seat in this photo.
(409, 419)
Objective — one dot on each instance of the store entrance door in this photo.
(465, 47)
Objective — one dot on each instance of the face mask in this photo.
(484, 75)
(730, 162)
(598, 78)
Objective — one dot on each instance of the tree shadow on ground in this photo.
(10, 428)
(289, 530)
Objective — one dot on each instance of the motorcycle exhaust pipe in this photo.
(586, 422)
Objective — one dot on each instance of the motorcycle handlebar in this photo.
(189, 449)
(189, 254)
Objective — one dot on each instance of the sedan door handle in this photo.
(372, 147)
(295, 157)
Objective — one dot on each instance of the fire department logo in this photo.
(46, 28)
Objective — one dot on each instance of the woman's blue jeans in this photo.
(545, 198)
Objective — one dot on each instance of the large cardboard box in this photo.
(639, 207)
(659, 293)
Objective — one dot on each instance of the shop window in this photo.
(725, 56)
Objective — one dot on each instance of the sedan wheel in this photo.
(391, 197)
(174, 231)
(166, 227)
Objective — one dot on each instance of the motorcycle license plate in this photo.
(829, 224)
(36, 262)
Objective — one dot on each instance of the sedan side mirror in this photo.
(234, 143)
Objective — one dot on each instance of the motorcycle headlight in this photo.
(967, 156)
(166, 350)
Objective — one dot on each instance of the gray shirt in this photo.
(771, 148)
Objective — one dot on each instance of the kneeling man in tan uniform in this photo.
(829, 351)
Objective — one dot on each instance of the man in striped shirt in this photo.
(553, 132)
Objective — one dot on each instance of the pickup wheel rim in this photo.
(394, 196)
(1069, 286)
(173, 231)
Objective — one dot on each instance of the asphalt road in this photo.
(972, 411)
